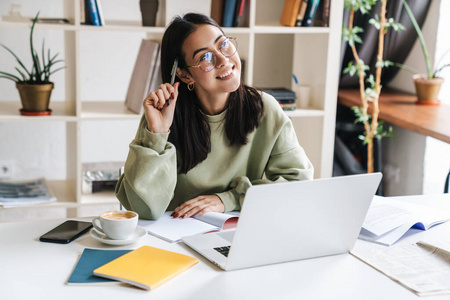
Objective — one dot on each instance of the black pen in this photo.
(172, 79)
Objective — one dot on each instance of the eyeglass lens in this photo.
(208, 60)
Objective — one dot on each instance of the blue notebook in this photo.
(90, 260)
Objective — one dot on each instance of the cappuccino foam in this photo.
(117, 215)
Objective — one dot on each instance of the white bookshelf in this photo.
(272, 53)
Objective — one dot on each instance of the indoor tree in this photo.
(369, 85)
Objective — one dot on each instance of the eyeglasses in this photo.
(207, 61)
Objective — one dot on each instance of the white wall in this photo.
(414, 163)
(437, 153)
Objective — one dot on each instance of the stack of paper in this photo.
(388, 220)
(423, 267)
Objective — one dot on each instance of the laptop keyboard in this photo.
(223, 250)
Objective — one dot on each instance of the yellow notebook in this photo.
(146, 267)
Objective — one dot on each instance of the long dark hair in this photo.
(190, 132)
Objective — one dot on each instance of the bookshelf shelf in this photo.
(270, 29)
(10, 112)
(272, 54)
(106, 110)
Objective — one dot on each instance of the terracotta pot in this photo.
(427, 90)
(35, 97)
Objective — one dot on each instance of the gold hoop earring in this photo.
(190, 86)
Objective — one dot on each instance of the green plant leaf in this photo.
(351, 69)
(371, 94)
(364, 6)
(371, 80)
(406, 68)
(17, 58)
(37, 67)
(7, 77)
(421, 39)
(24, 78)
(35, 63)
(10, 76)
(384, 64)
(436, 73)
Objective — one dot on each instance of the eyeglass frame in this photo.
(198, 63)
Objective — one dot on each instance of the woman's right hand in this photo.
(158, 112)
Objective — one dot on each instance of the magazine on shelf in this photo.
(20, 193)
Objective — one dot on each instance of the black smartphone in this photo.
(66, 232)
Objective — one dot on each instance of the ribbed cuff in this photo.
(230, 200)
(155, 141)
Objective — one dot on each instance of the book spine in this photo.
(217, 11)
(239, 12)
(93, 12)
(87, 14)
(301, 13)
(326, 13)
(310, 13)
(290, 12)
(100, 13)
(228, 12)
(82, 12)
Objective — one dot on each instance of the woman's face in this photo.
(226, 76)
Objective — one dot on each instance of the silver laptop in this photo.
(291, 221)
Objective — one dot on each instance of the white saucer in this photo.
(138, 234)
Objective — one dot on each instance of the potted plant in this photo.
(34, 85)
(427, 85)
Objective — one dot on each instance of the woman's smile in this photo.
(227, 74)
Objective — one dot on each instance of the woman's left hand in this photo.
(199, 206)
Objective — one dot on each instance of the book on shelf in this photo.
(217, 11)
(290, 12)
(326, 13)
(172, 230)
(156, 77)
(142, 79)
(28, 192)
(239, 14)
(146, 267)
(82, 12)
(310, 13)
(92, 17)
(301, 13)
(284, 96)
(101, 17)
(90, 260)
(388, 220)
(229, 10)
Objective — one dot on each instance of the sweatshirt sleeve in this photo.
(287, 162)
(148, 183)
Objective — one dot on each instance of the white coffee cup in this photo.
(303, 93)
(116, 224)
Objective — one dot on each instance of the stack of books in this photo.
(285, 97)
(146, 267)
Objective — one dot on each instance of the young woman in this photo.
(204, 140)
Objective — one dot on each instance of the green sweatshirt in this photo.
(150, 184)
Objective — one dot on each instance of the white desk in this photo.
(30, 269)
